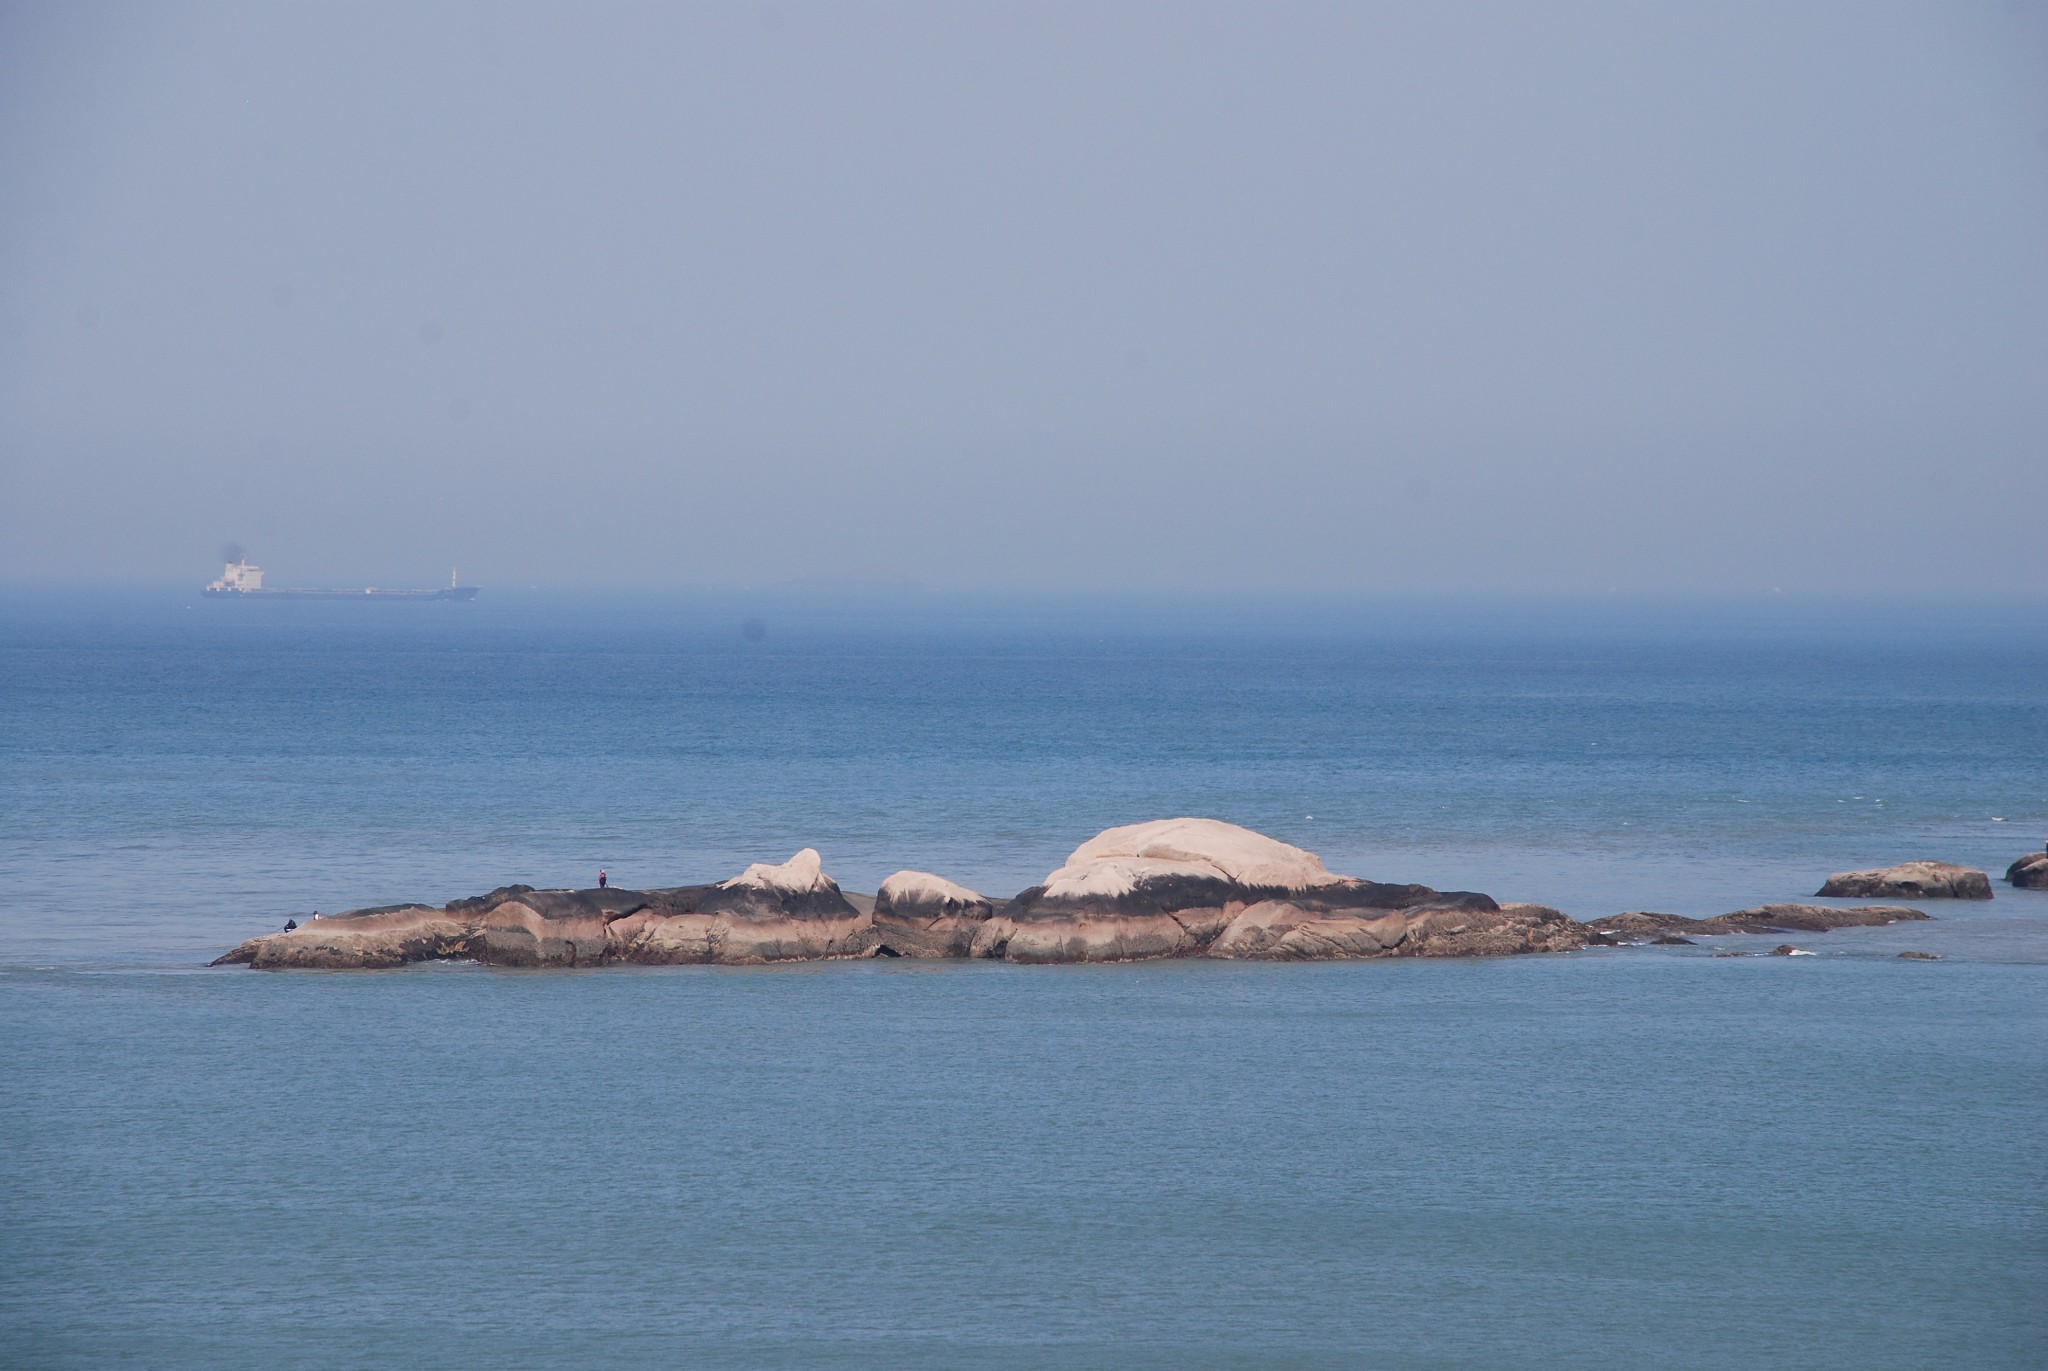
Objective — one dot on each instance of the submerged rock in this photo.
(1787, 950)
(1912, 881)
(2029, 872)
(1919, 957)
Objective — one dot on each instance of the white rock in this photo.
(1116, 860)
(922, 887)
(799, 875)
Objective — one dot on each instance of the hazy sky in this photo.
(1334, 297)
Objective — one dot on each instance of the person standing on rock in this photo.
(601, 878)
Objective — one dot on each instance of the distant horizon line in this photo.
(878, 588)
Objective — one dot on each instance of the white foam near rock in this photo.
(799, 875)
(923, 888)
(1116, 860)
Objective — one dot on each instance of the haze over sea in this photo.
(1617, 1158)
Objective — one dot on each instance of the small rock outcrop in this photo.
(1638, 925)
(1433, 925)
(791, 912)
(2029, 872)
(1910, 881)
(1764, 918)
(765, 914)
(1809, 918)
(362, 940)
(1919, 957)
(918, 914)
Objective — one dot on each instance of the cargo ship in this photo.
(244, 580)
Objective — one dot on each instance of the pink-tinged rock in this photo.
(1196, 887)
(1084, 937)
(363, 940)
(734, 939)
(1910, 881)
(1282, 931)
(1279, 930)
(918, 914)
(766, 914)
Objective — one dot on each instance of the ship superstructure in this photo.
(243, 579)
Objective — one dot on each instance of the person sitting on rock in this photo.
(290, 924)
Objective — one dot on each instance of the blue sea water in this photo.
(1618, 1158)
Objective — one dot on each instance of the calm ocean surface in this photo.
(1622, 1158)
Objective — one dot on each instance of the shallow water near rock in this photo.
(1617, 1158)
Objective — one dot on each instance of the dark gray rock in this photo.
(1807, 918)
(2029, 872)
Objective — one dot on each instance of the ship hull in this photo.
(369, 593)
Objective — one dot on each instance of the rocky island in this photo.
(1170, 888)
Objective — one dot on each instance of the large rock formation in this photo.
(1763, 918)
(1200, 887)
(1172, 888)
(1910, 881)
(1175, 888)
(2029, 872)
(765, 914)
